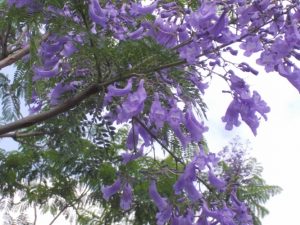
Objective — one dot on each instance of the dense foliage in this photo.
(84, 67)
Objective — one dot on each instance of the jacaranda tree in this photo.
(85, 67)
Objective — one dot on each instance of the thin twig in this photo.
(158, 141)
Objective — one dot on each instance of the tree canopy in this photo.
(87, 68)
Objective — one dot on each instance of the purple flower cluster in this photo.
(244, 105)
(126, 198)
(31, 5)
(54, 53)
(226, 213)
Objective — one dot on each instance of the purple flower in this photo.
(231, 117)
(251, 45)
(216, 182)
(51, 62)
(190, 52)
(195, 128)
(137, 34)
(157, 113)
(51, 48)
(175, 118)
(60, 89)
(247, 108)
(247, 68)
(113, 91)
(280, 48)
(240, 209)
(219, 26)
(97, 14)
(260, 105)
(69, 49)
(126, 198)
(132, 138)
(145, 135)
(186, 219)
(164, 32)
(137, 9)
(40, 73)
(32, 5)
(200, 85)
(185, 182)
(239, 86)
(36, 103)
(223, 216)
(108, 191)
(269, 60)
(165, 210)
(202, 16)
(291, 73)
(127, 157)
(133, 105)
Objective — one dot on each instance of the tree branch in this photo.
(63, 107)
(158, 141)
(22, 134)
(11, 59)
(14, 57)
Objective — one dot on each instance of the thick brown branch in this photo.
(65, 106)
(22, 134)
(11, 59)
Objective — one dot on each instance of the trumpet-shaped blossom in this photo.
(137, 9)
(69, 49)
(246, 108)
(97, 14)
(127, 157)
(165, 210)
(218, 183)
(158, 114)
(186, 219)
(231, 117)
(60, 89)
(108, 191)
(40, 73)
(291, 73)
(199, 84)
(240, 209)
(251, 45)
(239, 86)
(221, 216)
(137, 34)
(133, 105)
(31, 5)
(195, 128)
(113, 91)
(218, 28)
(175, 119)
(185, 183)
(133, 136)
(126, 198)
